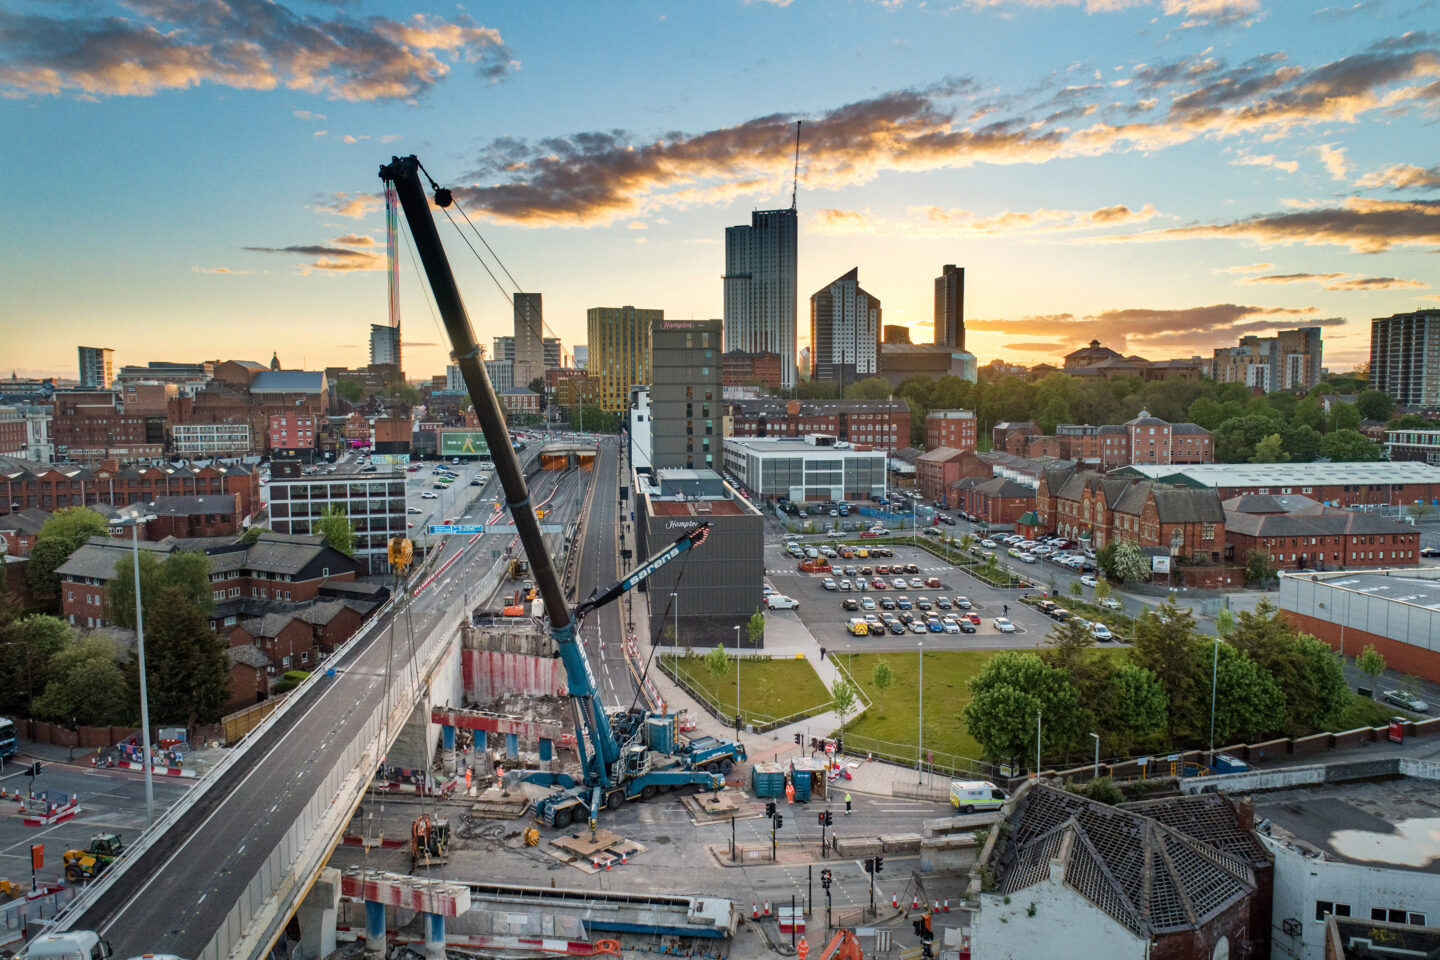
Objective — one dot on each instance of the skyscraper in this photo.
(619, 342)
(97, 367)
(1405, 357)
(529, 339)
(687, 413)
(950, 307)
(504, 349)
(760, 287)
(844, 331)
(384, 345)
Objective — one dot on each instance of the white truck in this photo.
(74, 945)
(971, 796)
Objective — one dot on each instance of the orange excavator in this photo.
(429, 839)
(843, 946)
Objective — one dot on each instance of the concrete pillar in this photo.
(447, 734)
(317, 915)
(547, 749)
(481, 763)
(374, 930)
(434, 937)
(512, 746)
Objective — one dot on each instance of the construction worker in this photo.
(847, 804)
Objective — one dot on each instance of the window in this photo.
(1324, 908)
(1417, 919)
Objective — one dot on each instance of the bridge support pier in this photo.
(434, 937)
(374, 930)
(317, 915)
(512, 746)
(447, 733)
(482, 757)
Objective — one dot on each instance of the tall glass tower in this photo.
(760, 287)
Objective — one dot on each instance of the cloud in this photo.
(1363, 225)
(1267, 160)
(308, 115)
(1334, 159)
(354, 139)
(1340, 281)
(1402, 176)
(354, 205)
(1249, 268)
(1135, 328)
(224, 270)
(601, 176)
(243, 44)
(1218, 12)
(339, 256)
(637, 225)
(1040, 347)
(953, 221)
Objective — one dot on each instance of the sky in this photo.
(197, 179)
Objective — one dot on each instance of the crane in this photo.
(625, 755)
(795, 184)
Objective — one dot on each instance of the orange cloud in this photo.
(948, 222)
(354, 205)
(1401, 176)
(1360, 223)
(1136, 328)
(340, 256)
(1341, 281)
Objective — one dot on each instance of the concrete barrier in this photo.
(948, 853)
(1251, 780)
(900, 843)
(1351, 738)
(858, 846)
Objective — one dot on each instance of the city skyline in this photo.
(1164, 177)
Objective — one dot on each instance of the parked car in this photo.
(414, 510)
(932, 582)
(427, 495)
(867, 603)
(910, 568)
(1028, 558)
(972, 616)
(1101, 632)
(845, 585)
(829, 584)
(1112, 603)
(904, 603)
(896, 627)
(1004, 625)
(878, 584)
(1089, 580)
(1407, 701)
(1430, 551)
(966, 625)
(942, 603)
(899, 583)
(934, 626)
(778, 601)
(924, 603)
(850, 603)
(963, 603)
(917, 627)
(877, 629)
(887, 603)
(988, 543)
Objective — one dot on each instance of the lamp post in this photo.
(144, 693)
(1096, 775)
(920, 722)
(737, 669)
(1214, 671)
(675, 605)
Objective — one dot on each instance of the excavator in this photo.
(429, 840)
(87, 864)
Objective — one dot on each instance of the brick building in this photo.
(20, 529)
(1008, 436)
(518, 401)
(90, 425)
(249, 676)
(1143, 440)
(25, 432)
(48, 487)
(955, 429)
(740, 368)
(187, 517)
(1333, 484)
(293, 432)
(996, 501)
(1296, 532)
(937, 470)
(1099, 509)
(883, 424)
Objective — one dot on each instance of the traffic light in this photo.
(829, 818)
(879, 864)
(919, 927)
(770, 808)
(814, 743)
(798, 741)
(825, 879)
(34, 770)
(822, 818)
(779, 820)
(869, 864)
(737, 723)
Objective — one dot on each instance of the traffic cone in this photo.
(767, 908)
(754, 910)
(895, 899)
(624, 858)
(915, 901)
(595, 862)
(946, 907)
(935, 909)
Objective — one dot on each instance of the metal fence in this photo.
(937, 763)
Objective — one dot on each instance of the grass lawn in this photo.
(1364, 712)
(769, 689)
(892, 716)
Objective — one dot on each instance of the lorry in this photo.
(970, 796)
(73, 945)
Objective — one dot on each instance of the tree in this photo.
(1052, 411)
(1105, 560)
(1102, 590)
(1308, 673)
(1224, 621)
(252, 534)
(1308, 413)
(842, 700)
(717, 663)
(755, 627)
(1411, 421)
(27, 651)
(1371, 663)
(1135, 705)
(1130, 563)
(1349, 446)
(1344, 416)
(337, 530)
(1207, 412)
(871, 388)
(1165, 644)
(1259, 570)
(86, 684)
(1270, 450)
(1077, 589)
(1248, 701)
(882, 678)
(188, 570)
(1235, 439)
(1007, 697)
(1302, 443)
(403, 392)
(187, 669)
(350, 391)
(1374, 404)
(65, 532)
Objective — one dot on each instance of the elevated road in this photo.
(603, 631)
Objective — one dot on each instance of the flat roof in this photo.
(1294, 474)
(1418, 586)
(696, 508)
(1375, 823)
(796, 446)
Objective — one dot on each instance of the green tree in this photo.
(187, 669)
(1411, 421)
(350, 391)
(189, 570)
(403, 392)
(1315, 692)
(1010, 693)
(27, 650)
(1207, 412)
(1249, 704)
(871, 388)
(1302, 443)
(1102, 590)
(1165, 644)
(843, 700)
(755, 627)
(86, 684)
(1259, 570)
(717, 663)
(1135, 705)
(1371, 663)
(882, 678)
(1235, 439)
(337, 529)
(1224, 621)
(1308, 413)
(65, 532)
(1349, 446)
(1374, 404)
(1270, 450)
(1130, 563)
(1077, 589)
(1105, 560)
(1344, 416)
(1052, 411)
(252, 534)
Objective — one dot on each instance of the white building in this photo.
(32, 441)
(501, 374)
(815, 467)
(97, 367)
(210, 439)
(384, 344)
(374, 502)
(641, 446)
(844, 331)
(760, 287)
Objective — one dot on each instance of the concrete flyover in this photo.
(564, 454)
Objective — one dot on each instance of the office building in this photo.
(384, 345)
(895, 333)
(620, 340)
(800, 469)
(501, 374)
(582, 356)
(374, 502)
(879, 423)
(554, 353)
(1405, 357)
(950, 307)
(1422, 445)
(207, 440)
(504, 349)
(955, 429)
(685, 394)
(1290, 360)
(754, 369)
(529, 338)
(97, 367)
(899, 361)
(844, 331)
(25, 432)
(760, 287)
(638, 433)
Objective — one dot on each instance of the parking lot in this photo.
(822, 612)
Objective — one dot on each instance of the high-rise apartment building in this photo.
(687, 415)
(97, 367)
(529, 338)
(1405, 357)
(844, 331)
(619, 342)
(582, 356)
(1290, 360)
(501, 374)
(554, 354)
(760, 287)
(504, 349)
(950, 307)
(384, 345)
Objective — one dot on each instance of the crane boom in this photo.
(795, 184)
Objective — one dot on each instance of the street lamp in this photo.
(144, 693)
(1097, 755)
(1214, 671)
(675, 605)
(737, 669)
(920, 722)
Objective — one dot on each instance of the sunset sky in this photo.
(192, 179)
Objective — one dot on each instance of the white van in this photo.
(970, 796)
(812, 553)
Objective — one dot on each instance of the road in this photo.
(603, 631)
(177, 893)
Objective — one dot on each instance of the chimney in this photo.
(112, 466)
(1245, 813)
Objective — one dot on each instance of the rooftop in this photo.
(1419, 587)
(797, 446)
(1289, 474)
(289, 381)
(697, 508)
(1373, 823)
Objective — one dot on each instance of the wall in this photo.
(1407, 635)
(487, 674)
(1006, 931)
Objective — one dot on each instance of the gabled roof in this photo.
(940, 455)
(193, 506)
(249, 655)
(1172, 504)
(1326, 522)
(1211, 818)
(1150, 878)
(97, 557)
(268, 626)
(1176, 429)
(27, 521)
(1003, 487)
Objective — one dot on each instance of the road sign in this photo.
(465, 529)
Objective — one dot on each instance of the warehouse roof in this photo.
(1298, 475)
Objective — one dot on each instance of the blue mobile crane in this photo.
(625, 754)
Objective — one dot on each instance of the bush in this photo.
(1101, 790)
(291, 680)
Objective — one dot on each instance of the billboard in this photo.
(460, 443)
